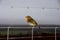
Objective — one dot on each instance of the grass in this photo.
(15, 32)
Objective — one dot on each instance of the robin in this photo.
(31, 21)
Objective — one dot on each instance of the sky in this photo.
(43, 11)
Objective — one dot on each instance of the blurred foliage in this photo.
(15, 32)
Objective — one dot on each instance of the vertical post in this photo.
(55, 32)
(8, 33)
(32, 32)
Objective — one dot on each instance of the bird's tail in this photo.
(38, 28)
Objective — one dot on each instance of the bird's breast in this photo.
(31, 24)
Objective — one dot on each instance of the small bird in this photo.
(31, 21)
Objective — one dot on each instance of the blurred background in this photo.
(13, 12)
(45, 12)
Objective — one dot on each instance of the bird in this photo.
(31, 21)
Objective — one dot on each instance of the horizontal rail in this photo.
(29, 37)
(32, 27)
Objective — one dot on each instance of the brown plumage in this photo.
(31, 21)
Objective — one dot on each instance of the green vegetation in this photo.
(15, 32)
(3, 32)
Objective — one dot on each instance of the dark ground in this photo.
(43, 34)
